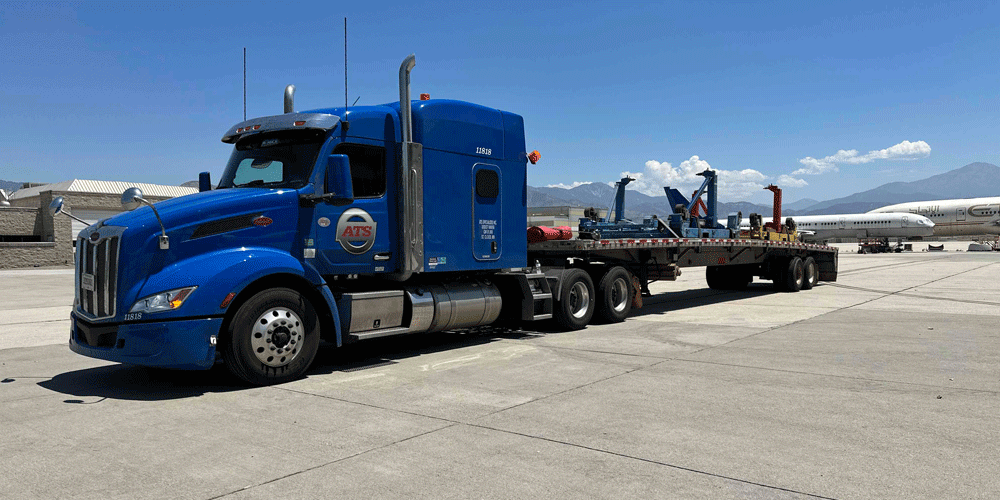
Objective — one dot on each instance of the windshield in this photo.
(281, 159)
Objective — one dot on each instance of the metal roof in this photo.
(104, 187)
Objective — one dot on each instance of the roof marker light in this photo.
(300, 123)
(534, 156)
(256, 127)
(425, 97)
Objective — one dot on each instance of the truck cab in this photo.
(341, 223)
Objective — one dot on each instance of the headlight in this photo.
(164, 301)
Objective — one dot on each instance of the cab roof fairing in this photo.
(315, 121)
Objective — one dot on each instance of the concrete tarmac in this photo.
(885, 384)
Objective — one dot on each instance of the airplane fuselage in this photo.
(891, 225)
(960, 217)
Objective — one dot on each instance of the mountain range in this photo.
(10, 186)
(971, 181)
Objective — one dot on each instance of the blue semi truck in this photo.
(345, 224)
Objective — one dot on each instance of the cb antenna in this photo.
(345, 65)
(244, 84)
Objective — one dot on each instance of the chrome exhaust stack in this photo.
(411, 182)
(290, 99)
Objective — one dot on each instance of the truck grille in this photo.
(97, 271)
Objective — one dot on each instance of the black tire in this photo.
(716, 278)
(742, 276)
(735, 277)
(273, 338)
(793, 275)
(811, 273)
(576, 302)
(614, 295)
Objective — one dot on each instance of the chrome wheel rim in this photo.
(276, 338)
(579, 300)
(619, 294)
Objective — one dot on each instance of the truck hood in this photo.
(204, 206)
(202, 223)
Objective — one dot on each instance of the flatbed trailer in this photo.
(730, 264)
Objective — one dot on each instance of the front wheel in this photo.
(273, 338)
(575, 306)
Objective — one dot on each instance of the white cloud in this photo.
(733, 184)
(905, 150)
(787, 181)
(567, 186)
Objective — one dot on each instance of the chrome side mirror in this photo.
(56, 206)
(131, 198)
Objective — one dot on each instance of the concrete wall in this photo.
(56, 247)
(19, 221)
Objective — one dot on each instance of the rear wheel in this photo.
(575, 306)
(735, 277)
(614, 295)
(811, 273)
(273, 338)
(792, 275)
(715, 277)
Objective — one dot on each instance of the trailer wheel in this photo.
(614, 295)
(792, 275)
(811, 273)
(273, 338)
(716, 278)
(576, 302)
(728, 277)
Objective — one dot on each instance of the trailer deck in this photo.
(683, 252)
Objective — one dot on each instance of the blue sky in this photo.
(838, 97)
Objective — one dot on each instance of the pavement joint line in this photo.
(651, 356)
(923, 284)
(651, 461)
(581, 386)
(887, 266)
(840, 309)
(470, 424)
(341, 459)
(916, 296)
(834, 375)
(369, 405)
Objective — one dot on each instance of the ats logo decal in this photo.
(356, 231)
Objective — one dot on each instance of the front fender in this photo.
(217, 274)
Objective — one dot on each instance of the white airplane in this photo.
(888, 225)
(962, 217)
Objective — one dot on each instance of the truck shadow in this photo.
(672, 301)
(128, 382)
(137, 383)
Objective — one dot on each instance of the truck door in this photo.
(356, 238)
(486, 219)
